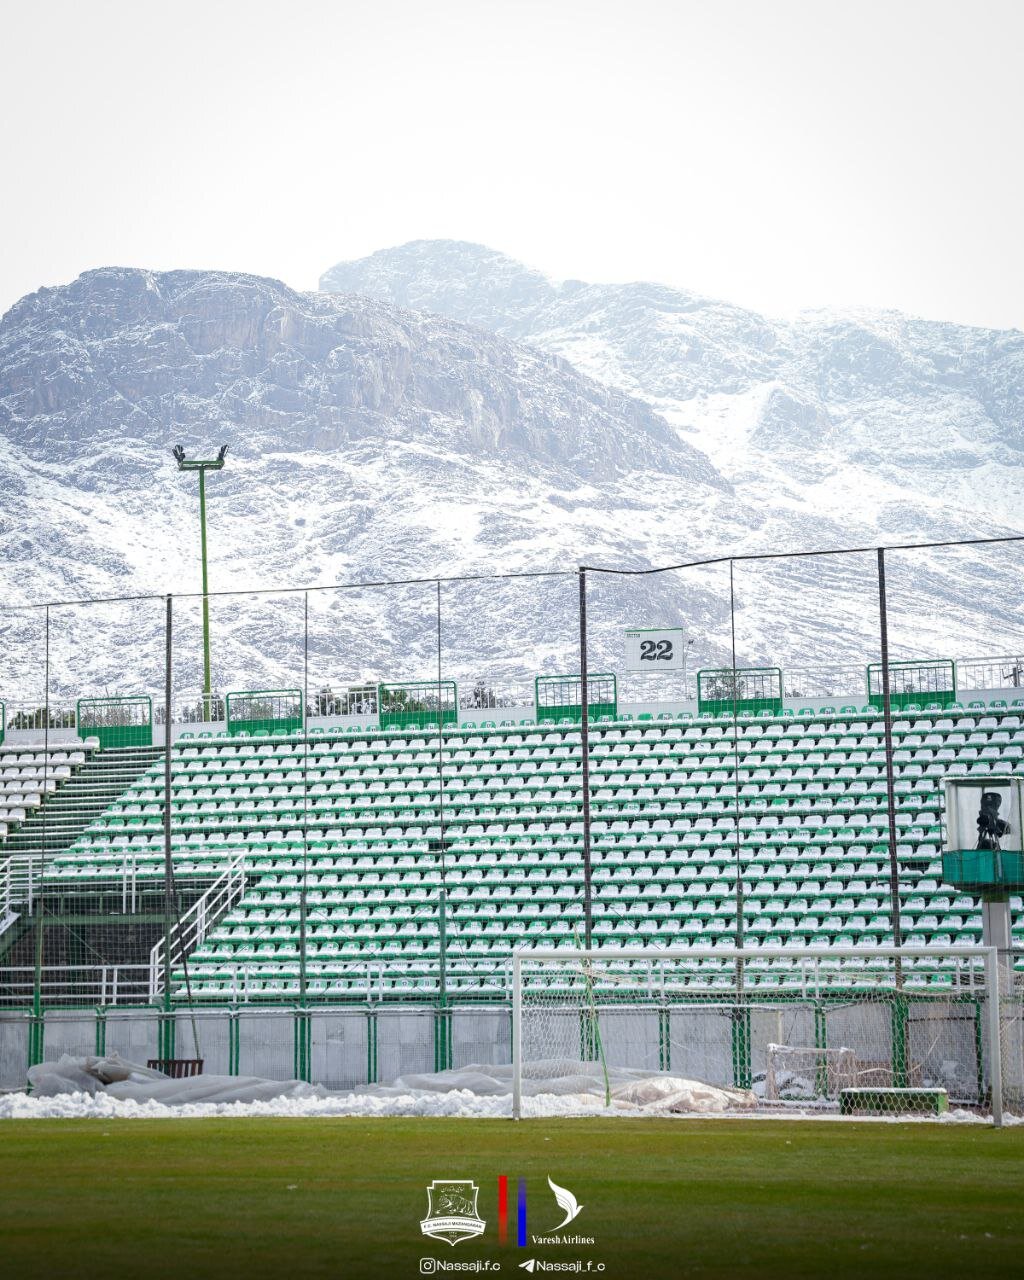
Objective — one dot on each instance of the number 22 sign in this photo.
(652, 650)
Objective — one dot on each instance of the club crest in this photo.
(451, 1211)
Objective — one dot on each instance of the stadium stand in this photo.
(378, 823)
(79, 784)
(27, 775)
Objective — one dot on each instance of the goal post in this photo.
(858, 1030)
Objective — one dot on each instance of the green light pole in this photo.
(202, 466)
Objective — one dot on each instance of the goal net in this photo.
(857, 1030)
(793, 1072)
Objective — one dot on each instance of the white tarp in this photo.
(110, 1086)
(123, 1080)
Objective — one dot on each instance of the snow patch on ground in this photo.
(110, 1088)
(456, 1103)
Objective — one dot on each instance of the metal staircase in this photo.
(193, 927)
(102, 941)
(55, 825)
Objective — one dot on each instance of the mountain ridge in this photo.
(874, 387)
(372, 443)
(365, 442)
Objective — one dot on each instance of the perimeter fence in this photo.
(288, 850)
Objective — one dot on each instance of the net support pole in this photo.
(168, 865)
(442, 842)
(739, 922)
(441, 1062)
(588, 921)
(517, 1036)
(440, 736)
(442, 940)
(741, 1013)
(994, 1036)
(303, 1023)
(304, 893)
(35, 875)
(890, 775)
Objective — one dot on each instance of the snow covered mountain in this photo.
(886, 409)
(835, 429)
(450, 412)
(366, 443)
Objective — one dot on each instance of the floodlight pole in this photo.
(890, 772)
(588, 918)
(206, 597)
(202, 465)
(739, 921)
(900, 1016)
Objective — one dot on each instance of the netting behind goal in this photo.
(868, 1031)
(797, 1073)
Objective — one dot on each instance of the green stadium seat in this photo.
(810, 820)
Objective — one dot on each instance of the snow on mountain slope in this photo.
(837, 429)
(880, 396)
(370, 442)
(366, 443)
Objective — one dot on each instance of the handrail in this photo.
(20, 877)
(97, 985)
(7, 913)
(192, 928)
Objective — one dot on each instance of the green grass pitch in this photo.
(190, 1199)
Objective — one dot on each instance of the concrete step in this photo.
(65, 814)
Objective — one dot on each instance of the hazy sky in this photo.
(780, 154)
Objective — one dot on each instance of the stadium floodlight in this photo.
(202, 465)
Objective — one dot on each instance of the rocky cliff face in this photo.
(878, 403)
(132, 355)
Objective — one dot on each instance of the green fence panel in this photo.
(914, 682)
(122, 721)
(561, 697)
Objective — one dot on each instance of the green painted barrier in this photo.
(122, 721)
(888, 1102)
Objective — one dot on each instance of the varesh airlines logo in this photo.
(567, 1203)
(572, 1209)
(451, 1211)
